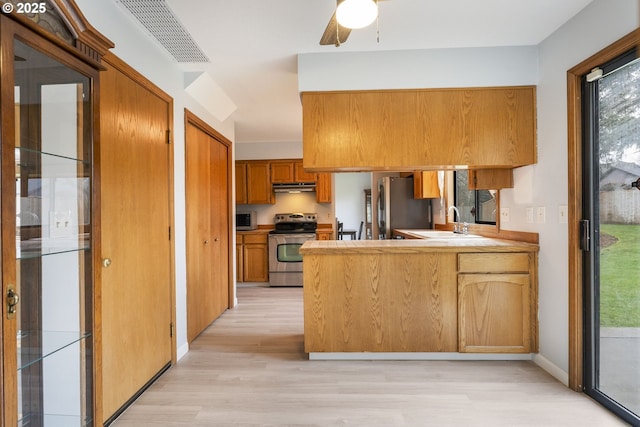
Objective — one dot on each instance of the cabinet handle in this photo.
(12, 301)
(216, 239)
(206, 241)
(106, 262)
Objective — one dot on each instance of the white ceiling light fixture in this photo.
(356, 14)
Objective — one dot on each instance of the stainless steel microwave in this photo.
(246, 220)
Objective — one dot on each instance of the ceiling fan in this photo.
(341, 24)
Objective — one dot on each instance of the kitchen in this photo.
(536, 186)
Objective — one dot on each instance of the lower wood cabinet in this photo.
(325, 234)
(252, 254)
(495, 300)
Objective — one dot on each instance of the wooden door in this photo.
(136, 211)
(208, 226)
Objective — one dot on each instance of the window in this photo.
(475, 206)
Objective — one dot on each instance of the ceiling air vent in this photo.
(160, 21)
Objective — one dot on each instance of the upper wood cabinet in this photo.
(490, 179)
(323, 188)
(302, 175)
(241, 183)
(419, 129)
(290, 171)
(282, 171)
(254, 179)
(425, 185)
(253, 182)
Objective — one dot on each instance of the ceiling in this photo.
(252, 45)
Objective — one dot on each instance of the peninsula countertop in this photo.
(439, 243)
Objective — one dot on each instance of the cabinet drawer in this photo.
(255, 238)
(493, 263)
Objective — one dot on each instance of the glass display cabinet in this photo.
(49, 351)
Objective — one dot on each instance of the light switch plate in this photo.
(505, 216)
(529, 215)
(541, 214)
(563, 214)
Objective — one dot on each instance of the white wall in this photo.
(137, 49)
(349, 198)
(543, 184)
(269, 150)
(430, 68)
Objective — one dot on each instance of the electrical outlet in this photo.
(563, 214)
(505, 216)
(541, 214)
(529, 215)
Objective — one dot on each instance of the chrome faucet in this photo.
(457, 227)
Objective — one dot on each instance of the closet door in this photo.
(136, 247)
(208, 226)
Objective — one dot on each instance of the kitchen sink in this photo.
(440, 234)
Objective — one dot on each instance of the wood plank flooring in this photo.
(249, 369)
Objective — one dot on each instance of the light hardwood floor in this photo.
(249, 369)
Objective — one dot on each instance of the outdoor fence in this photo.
(620, 207)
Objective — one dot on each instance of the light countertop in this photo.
(438, 241)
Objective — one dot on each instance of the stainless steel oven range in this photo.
(285, 260)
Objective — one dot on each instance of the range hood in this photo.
(293, 187)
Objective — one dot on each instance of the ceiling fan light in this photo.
(356, 14)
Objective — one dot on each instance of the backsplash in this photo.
(293, 202)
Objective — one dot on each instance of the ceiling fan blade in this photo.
(331, 36)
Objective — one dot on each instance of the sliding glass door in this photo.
(611, 235)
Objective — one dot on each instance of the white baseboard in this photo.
(552, 369)
(182, 350)
(416, 356)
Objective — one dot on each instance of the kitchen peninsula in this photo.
(436, 296)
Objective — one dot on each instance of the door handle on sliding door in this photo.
(585, 235)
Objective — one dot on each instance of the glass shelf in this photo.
(50, 343)
(37, 247)
(25, 156)
(57, 420)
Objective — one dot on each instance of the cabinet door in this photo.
(239, 261)
(323, 187)
(490, 179)
(324, 235)
(301, 175)
(425, 185)
(482, 127)
(255, 263)
(259, 183)
(493, 313)
(49, 351)
(241, 183)
(282, 171)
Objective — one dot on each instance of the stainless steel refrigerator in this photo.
(398, 209)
